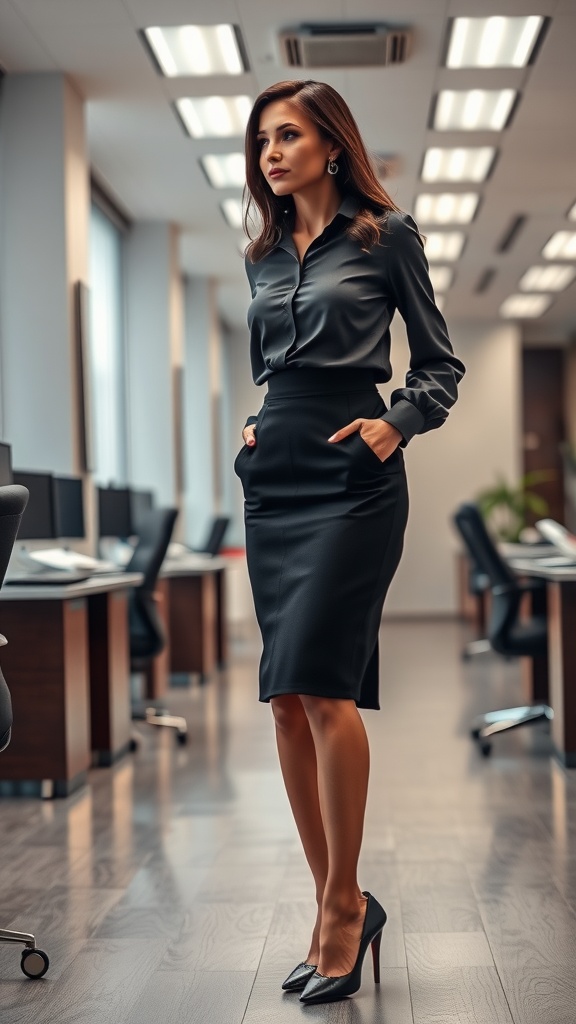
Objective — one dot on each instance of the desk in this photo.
(561, 588)
(68, 668)
(196, 613)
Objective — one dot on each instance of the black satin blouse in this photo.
(335, 308)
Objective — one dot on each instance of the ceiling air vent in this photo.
(345, 46)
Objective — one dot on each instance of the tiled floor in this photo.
(173, 889)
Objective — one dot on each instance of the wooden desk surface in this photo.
(65, 591)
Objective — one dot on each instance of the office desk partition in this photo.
(561, 592)
(68, 668)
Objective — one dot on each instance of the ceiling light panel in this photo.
(553, 278)
(225, 170)
(444, 245)
(446, 207)
(441, 278)
(214, 116)
(470, 163)
(496, 42)
(525, 307)
(473, 110)
(232, 210)
(562, 246)
(196, 49)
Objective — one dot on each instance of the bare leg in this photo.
(343, 761)
(299, 770)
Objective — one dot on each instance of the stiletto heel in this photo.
(375, 947)
(326, 990)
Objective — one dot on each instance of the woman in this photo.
(323, 475)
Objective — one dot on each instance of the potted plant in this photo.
(505, 506)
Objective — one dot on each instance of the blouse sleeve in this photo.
(431, 386)
(251, 419)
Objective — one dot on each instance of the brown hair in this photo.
(334, 121)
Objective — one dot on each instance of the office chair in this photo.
(213, 542)
(506, 633)
(13, 500)
(478, 584)
(147, 633)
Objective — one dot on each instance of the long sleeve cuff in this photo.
(406, 418)
(249, 421)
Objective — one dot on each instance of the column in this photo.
(44, 210)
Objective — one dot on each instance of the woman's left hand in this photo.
(381, 437)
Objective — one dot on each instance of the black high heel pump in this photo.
(299, 978)
(326, 990)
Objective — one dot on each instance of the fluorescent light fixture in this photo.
(444, 245)
(441, 278)
(553, 278)
(562, 246)
(525, 307)
(225, 170)
(471, 163)
(232, 210)
(196, 49)
(473, 110)
(495, 42)
(214, 116)
(446, 207)
(572, 213)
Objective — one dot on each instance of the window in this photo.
(107, 354)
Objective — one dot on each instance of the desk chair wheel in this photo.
(34, 963)
(485, 749)
(475, 733)
(182, 737)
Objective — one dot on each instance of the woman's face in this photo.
(290, 142)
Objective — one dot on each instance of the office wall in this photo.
(570, 394)
(445, 466)
(204, 410)
(480, 439)
(241, 399)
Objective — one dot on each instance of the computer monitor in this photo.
(215, 537)
(5, 464)
(69, 506)
(115, 512)
(39, 519)
(140, 501)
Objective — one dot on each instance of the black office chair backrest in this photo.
(506, 592)
(154, 533)
(215, 537)
(481, 547)
(13, 501)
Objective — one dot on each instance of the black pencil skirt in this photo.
(325, 525)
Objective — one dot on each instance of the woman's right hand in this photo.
(249, 435)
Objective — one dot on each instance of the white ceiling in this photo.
(139, 150)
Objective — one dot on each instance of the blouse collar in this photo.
(348, 208)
